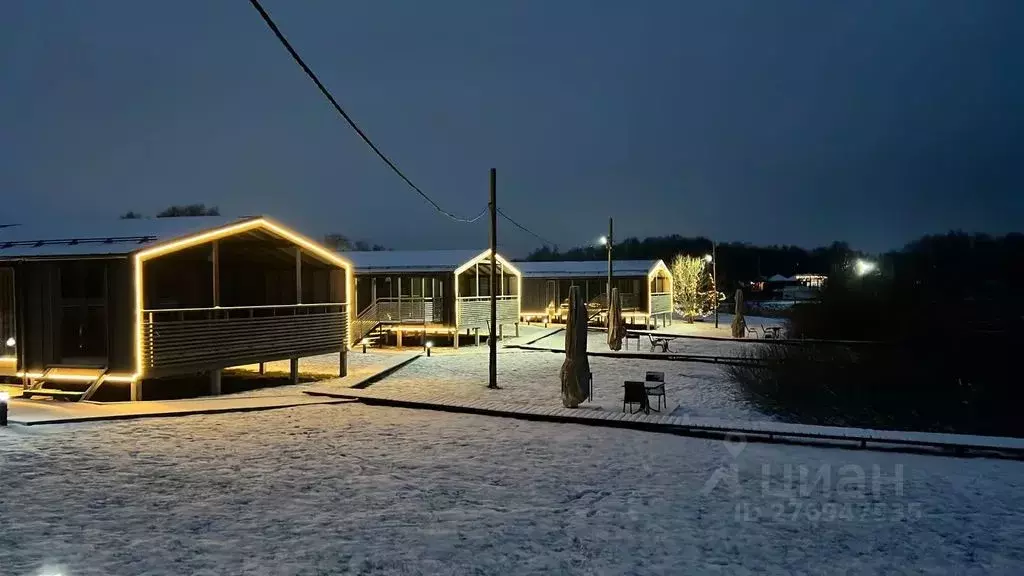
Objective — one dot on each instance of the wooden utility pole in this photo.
(714, 277)
(492, 341)
(608, 290)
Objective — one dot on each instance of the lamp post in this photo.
(608, 241)
(713, 259)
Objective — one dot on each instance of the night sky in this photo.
(764, 121)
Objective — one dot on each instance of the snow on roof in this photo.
(410, 260)
(589, 268)
(99, 237)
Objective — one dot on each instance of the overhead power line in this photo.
(524, 228)
(351, 122)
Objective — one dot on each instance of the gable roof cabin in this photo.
(93, 302)
(645, 287)
(445, 292)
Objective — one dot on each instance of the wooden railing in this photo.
(409, 309)
(661, 303)
(191, 339)
(475, 311)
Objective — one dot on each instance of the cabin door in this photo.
(80, 326)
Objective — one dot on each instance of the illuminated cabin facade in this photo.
(645, 287)
(116, 303)
(431, 294)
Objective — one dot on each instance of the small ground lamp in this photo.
(364, 342)
(428, 345)
(4, 397)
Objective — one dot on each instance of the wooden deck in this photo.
(856, 438)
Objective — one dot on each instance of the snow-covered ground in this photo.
(597, 341)
(532, 378)
(373, 490)
(706, 327)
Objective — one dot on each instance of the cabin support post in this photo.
(215, 258)
(298, 275)
(476, 336)
(343, 363)
(455, 339)
(398, 338)
(215, 382)
(136, 390)
(517, 329)
(263, 368)
(293, 370)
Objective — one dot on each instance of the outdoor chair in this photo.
(654, 383)
(634, 392)
(769, 333)
(658, 342)
(752, 331)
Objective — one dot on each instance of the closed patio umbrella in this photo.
(575, 372)
(616, 326)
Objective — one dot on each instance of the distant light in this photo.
(10, 342)
(430, 344)
(864, 267)
(707, 257)
(4, 396)
(603, 240)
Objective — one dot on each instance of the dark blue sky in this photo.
(764, 121)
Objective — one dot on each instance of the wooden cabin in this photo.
(431, 294)
(123, 301)
(645, 287)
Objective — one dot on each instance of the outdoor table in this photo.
(775, 331)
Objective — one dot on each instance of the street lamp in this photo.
(864, 267)
(428, 346)
(608, 241)
(713, 260)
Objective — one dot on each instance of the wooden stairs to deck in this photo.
(72, 384)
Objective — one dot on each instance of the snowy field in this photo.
(706, 327)
(532, 378)
(373, 490)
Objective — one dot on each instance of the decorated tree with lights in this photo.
(693, 293)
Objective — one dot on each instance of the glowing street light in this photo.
(708, 258)
(603, 240)
(10, 342)
(864, 267)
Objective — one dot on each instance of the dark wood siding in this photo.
(121, 316)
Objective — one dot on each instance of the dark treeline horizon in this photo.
(744, 261)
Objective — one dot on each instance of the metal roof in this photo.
(113, 237)
(585, 269)
(410, 260)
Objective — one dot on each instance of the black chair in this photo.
(590, 391)
(635, 393)
(654, 383)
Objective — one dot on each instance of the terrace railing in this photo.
(661, 303)
(183, 339)
(475, 311)
(412, 309)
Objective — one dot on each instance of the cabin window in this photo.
(82, 329)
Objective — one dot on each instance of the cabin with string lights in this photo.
(423, 296)
(99, 305)
(645, 289)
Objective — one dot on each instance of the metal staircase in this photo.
(364, 324)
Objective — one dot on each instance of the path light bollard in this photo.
(4, 397)
(364, 345)
(428, 346)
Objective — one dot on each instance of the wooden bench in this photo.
(657, 341)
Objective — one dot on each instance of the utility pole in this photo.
(492, 339)
(714, 276)
(611, 240)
